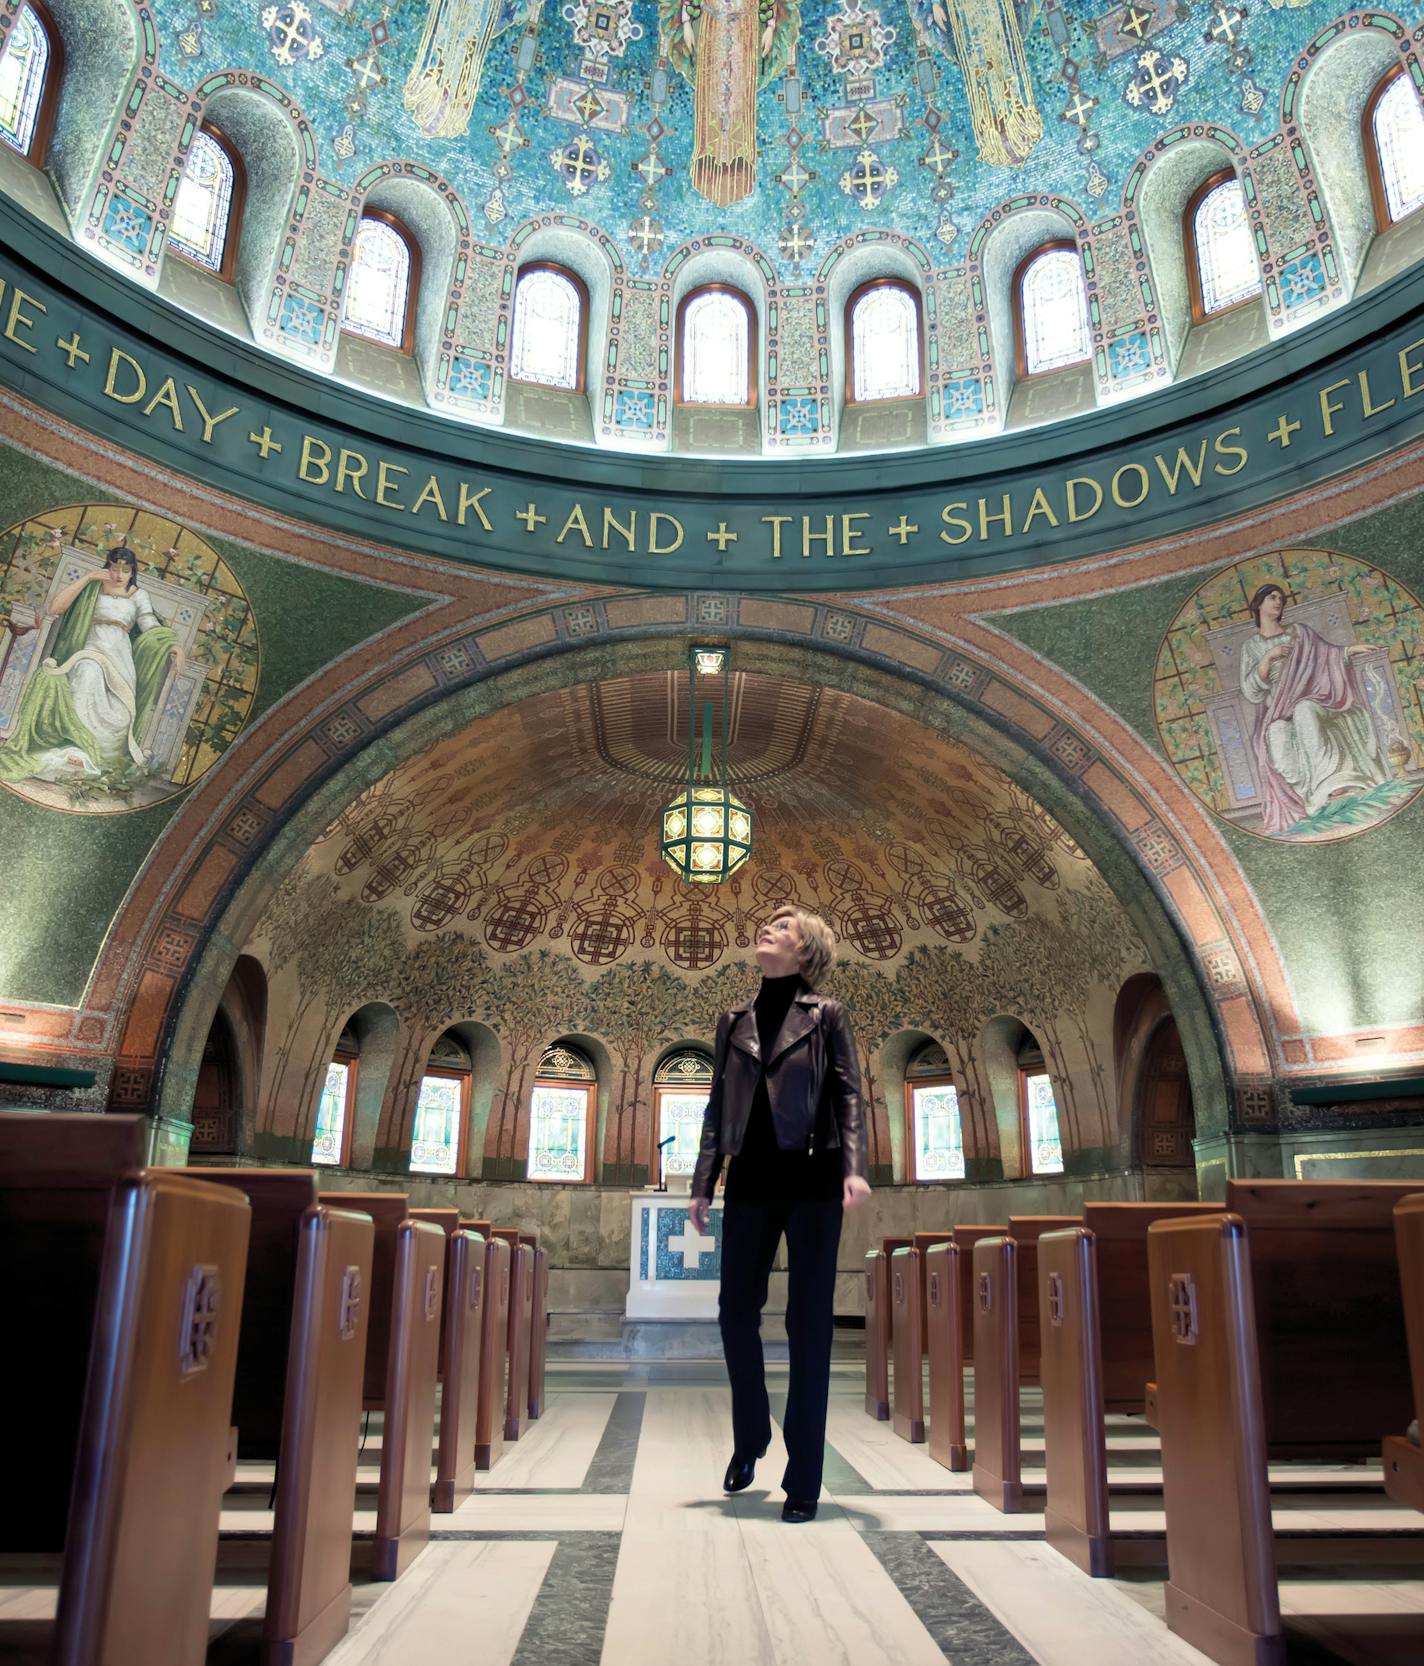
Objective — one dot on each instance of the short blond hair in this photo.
(818, 942)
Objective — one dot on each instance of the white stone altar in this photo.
(673, 1270)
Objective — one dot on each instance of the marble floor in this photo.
(603, 1539)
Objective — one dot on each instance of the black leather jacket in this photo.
(812, 1082)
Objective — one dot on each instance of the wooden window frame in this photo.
(581, 290)
(412, 290)
(659, 1089)
(753, 348)
(348, 1120)
(1373, 167)
(855, 295)
(237, 204)
(590, 1091)
(464, 1077)
(1021, 371)
(1025, 1133)
(38, 152)
(1193, 255)
(912, 1167)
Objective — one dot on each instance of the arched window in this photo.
(681, 1084)
(207, 211)
(1051, 310)
(716, 348)
(31, 68)
(934, 1131)
(1221, 247)
(335, 1108)
(550, 328)
(883, 342)
(1038, 1110)
(442, 1111)
(561, 1116)
(382, 281)
(1394, 147)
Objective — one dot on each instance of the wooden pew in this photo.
(1095, 1357)
(297, 1400)
(494, 1355)
(1006, 1353)
(407, 1279)
(878, 1326)
(122, 1299)
(521, 1328)
(460, 1369)
(1278, 1330)
(907, 1332)
(1404, 1458)
(949, 1339)
(539, 1332)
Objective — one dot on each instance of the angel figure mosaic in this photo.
(729, 50)
(128, 658)
(986, 39)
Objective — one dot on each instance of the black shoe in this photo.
(740, 1472)
(799, 1509)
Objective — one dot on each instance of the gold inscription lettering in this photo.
(828, 537)
(1087, 514)
(611, 523)
(1329, 406)
(948, 516)
(430, 493)
(776, 522)
(19, 320)
(384, 483)
(316, 454)
(1143, 479)
(111, 386)
(578, 523)
(850, 533)
(167, 396)
(1222, 450)
(1005, 517)
(1410, 369)
(656, 546)
(209, 420)
(1039, 506)
(1370, 408)
(471, 499)
(352, 466)
(1172, 472)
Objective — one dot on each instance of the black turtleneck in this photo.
(761, 1171)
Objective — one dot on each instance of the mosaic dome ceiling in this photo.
(920, 118)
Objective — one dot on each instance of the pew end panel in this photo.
(907, 1331)
(539, 1334)
(1221, 1594)
(997, 1460)
(408, 1432)
(141, 1547)
(1075, 1442)
(1026, 1230)
(494, 1356)
(944, 1346)
(1404, 1458)
(459, 1403)
(890, 1245)
(521, 1327)
(964, 1239)
(924, 1242)
(877, 1335)
(387, 1210)
(309, 1576)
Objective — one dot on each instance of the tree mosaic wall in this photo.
(569, 925)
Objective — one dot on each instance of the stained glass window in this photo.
(680, 1118)
(558, 1132)
(939, 1133)
(435, 1147)
(1055, 312)
(202, 210)
(327, 1145)
(1399, 143)
(716, 349)
(548, 317)
(884, 344)
(22, 79)
(1045, 1145)
(1226, 248)
(378, 283)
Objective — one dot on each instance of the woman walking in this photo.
(785, 1109)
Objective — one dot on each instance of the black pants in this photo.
(750, 1235)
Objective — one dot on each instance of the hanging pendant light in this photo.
(707, 829)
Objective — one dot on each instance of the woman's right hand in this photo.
(698, 1212)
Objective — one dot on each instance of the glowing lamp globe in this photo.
(707, 834)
